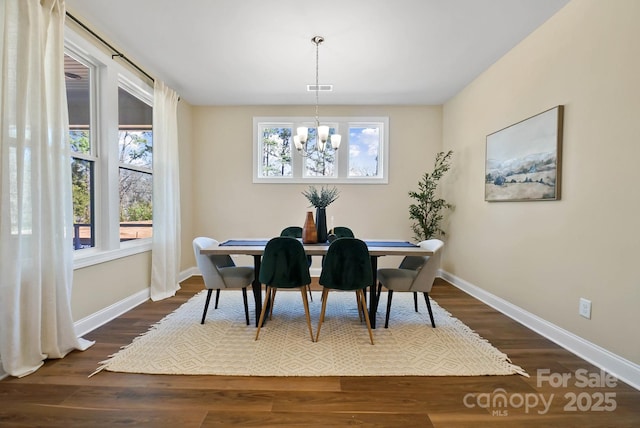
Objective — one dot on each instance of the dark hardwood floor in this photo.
(60, 394)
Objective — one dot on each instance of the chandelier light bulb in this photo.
(303, 134)
(335, 141)
(323, 133)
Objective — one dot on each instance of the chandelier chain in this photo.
(317, 87)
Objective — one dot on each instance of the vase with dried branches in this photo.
(321, 199)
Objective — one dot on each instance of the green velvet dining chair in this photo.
(347, 267)
(292, 232)
(342, 232)
(296, 232)
(284, 265)
(339, 232)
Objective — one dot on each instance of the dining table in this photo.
(377, 248)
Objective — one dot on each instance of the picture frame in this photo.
(523, 161)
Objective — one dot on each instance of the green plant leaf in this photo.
(321, 198)
(427, 210)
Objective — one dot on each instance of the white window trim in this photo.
(342, 125)
(109, 74)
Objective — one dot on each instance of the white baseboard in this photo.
(103, 316)
(619, 367)
(188, 273)
(109, 313)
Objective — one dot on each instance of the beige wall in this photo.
(100, 286)
(544, 256)
(229, 204)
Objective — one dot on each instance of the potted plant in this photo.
(321, 199)
(427, 210)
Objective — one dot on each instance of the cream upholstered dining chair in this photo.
(415, 274)
(220, 273)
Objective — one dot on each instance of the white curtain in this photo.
(165, 259)
(36, 256)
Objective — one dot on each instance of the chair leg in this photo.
(305, 302)
(246, 305)
(415, 300)
(426, 299)
(389, 296)
(358, 306)
(310, 295)
(378, 296)
(272, 298)
(264, 310)
(206, 305)
(363, 302)
(325, 293)
(217, 298)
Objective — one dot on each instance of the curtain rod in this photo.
(104, 42)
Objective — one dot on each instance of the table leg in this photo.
(373, 298)
(257, 287)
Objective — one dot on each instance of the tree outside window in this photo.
(135, 157)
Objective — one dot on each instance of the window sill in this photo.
(94, 256)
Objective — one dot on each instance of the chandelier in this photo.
(322, 131)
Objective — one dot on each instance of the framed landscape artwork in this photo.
(523, 160)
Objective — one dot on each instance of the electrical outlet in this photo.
(585, 308)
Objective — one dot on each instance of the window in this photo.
(364, 150)
(320, 164)
(361, 158)
(135, 157)
(78, 78)
(276, 143)
(111, 140)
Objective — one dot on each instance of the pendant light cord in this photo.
(317, 86)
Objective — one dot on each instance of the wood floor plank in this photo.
(169, 399)
(61, 394)
(49, 394)
(310, 419)
(31, 415)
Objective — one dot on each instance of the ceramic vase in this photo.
(321, 224)
(309, 231)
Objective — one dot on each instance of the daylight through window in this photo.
(362, 157)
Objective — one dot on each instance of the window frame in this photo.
(108, 75)
(342, 125)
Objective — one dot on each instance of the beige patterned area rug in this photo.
(225, 345)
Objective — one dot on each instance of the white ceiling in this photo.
(258, 52)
